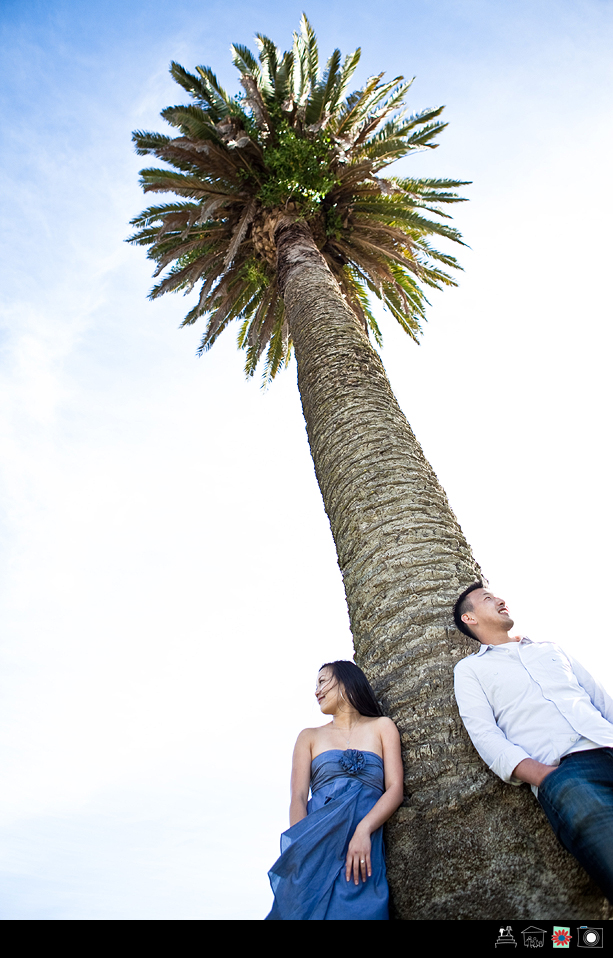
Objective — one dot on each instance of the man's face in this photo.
(488, 613)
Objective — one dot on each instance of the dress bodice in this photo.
(363, 767)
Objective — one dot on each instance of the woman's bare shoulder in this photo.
(310, 735)
(309, 742)
(383, 722)
(387, 728)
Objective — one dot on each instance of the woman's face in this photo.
(327, 691)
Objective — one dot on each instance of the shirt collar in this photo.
(483, 648)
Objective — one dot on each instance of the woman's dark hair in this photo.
(357, 687)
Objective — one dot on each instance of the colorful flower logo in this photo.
(561, 937)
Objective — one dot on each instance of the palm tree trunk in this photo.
(463, 845)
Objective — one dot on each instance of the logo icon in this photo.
(588, 937)
(534, 937)
(561, 936)
(505, 937)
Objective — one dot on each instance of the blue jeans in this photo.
(577, 798)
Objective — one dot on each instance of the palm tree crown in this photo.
(293, 145)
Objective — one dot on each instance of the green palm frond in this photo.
(294, 142)
(305, 44)
(244, 60)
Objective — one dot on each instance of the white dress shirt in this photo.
(530, 700)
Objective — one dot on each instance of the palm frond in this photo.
(294, 143)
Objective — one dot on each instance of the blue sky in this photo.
(170, 584)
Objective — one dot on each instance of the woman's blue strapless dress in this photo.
(308, 880)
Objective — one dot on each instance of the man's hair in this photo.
(462, 605)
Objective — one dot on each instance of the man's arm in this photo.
(502, 756)
(598, 696)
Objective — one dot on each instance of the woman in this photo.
(332, 864)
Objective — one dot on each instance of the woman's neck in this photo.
(345, 721)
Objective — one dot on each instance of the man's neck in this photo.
(497, 638)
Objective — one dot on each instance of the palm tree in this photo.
(284, 222)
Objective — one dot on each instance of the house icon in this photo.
(533, 937)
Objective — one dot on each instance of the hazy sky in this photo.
(170, 585)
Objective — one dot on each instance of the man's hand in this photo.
(533, 772)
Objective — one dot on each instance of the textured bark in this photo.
(462, 845)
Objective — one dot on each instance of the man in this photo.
(535, 715)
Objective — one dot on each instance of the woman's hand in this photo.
(358, 856)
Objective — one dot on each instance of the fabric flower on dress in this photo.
(352, 761)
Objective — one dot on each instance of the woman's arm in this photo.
(358, 854)
(301, 777)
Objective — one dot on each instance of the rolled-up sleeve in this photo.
(501, 755)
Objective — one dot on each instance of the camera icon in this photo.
(589, 937)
